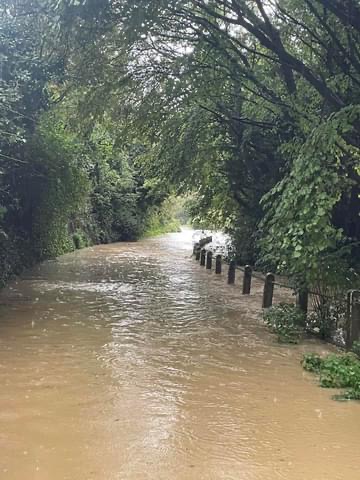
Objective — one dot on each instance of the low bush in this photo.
(286, 321)
(336, 371)
(80, 240)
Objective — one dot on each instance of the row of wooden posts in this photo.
(353, 300)
(206, 260)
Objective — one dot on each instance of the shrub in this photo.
(312, 363)
(286, 321)
(80, 240)
(336, 371)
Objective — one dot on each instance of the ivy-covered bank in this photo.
(63, 188)
(68, 192)
(68, 178)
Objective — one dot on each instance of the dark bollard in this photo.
(302, 301)
(209, 261)
(218, 264)
(353, 318)
(202, 257)
(268, 290)
(247, 280)
(197, 254)
(231, 272)
(204, 241)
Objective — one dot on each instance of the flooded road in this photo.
(130, 362)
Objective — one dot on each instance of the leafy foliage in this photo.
(240, 103)
(59, 188)
(65, 181)
(252, 111)
(336, 371)
(301, 238)
(286, 320)
(162, 219)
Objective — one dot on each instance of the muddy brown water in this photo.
(130, 362)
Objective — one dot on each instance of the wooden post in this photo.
(268, 290)
(247, 280)
(209, 261)
(302, 302)
(348, 320)
(353, 318)
(197, 254)
(203, 241)
(202, 257)
(218, 264)
(231, 272)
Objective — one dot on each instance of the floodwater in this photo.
(131, 362)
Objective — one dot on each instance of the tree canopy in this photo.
(250, 106)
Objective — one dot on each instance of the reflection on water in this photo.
(129, 362)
